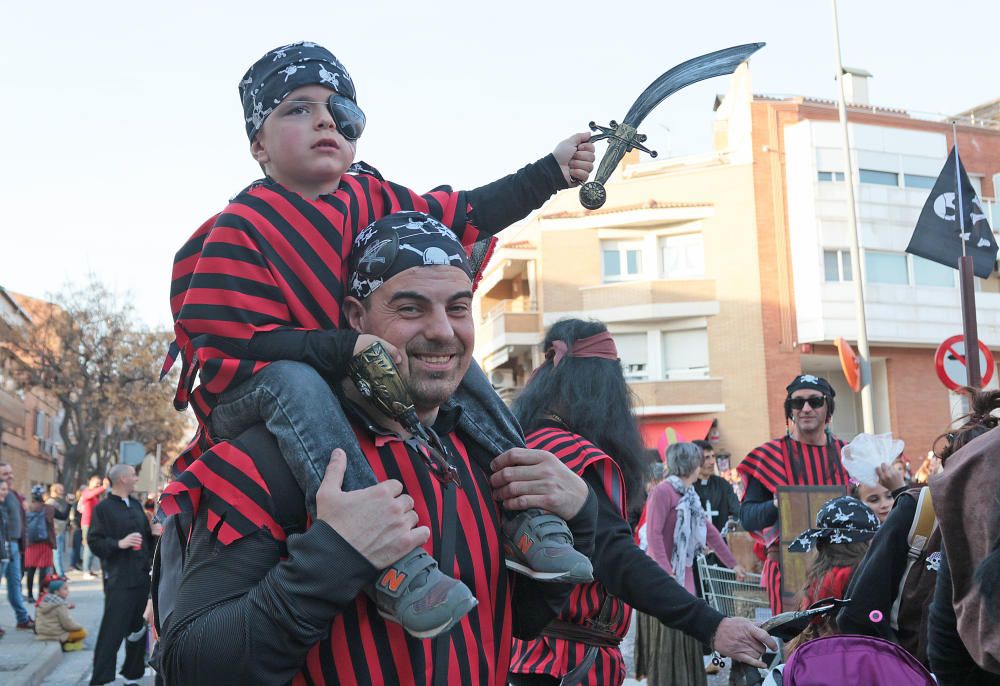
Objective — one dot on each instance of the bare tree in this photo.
(88, 350)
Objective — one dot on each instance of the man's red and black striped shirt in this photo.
(782, 462)
(243, 613)
(788, 462)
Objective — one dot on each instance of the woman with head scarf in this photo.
(578, 406)
(678, 529)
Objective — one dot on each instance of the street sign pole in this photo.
(965, 273)
(864, 355)
(969, 328)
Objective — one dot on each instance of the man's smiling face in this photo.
(426, 312)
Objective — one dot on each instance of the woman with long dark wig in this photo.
(963, 637)
(578, 406)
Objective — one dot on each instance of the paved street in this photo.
(21, 650)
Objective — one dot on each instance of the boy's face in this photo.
(63, 591)
(299, 145)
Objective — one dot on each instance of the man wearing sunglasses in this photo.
(807, 455)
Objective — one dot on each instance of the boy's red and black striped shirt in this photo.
(275, 260)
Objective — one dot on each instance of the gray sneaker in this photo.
(539, 544)
(415, 593)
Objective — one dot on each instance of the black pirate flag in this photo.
(939, 234)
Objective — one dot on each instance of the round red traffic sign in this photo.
(950, 364)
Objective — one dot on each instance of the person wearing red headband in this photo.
(577, 406)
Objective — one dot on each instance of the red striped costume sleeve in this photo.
(226, 480)
(273, 259)
(556, 657)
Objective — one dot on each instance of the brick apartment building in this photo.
(29, 420)
(724, 275)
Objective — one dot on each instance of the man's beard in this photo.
(429, 390)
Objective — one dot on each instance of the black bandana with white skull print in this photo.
(398, 242)
(840, 520)
(282, 70)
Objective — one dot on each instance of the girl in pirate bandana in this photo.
(844, 526)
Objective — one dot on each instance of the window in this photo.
(621, 260)
(882, 178)
(685, 354)
(39, 424)
(918, 181)
(886, 267)
(927, 273)
(682, 256)
(830, 176)
(837, 265)
(633, 350)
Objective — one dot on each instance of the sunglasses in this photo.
(815, 402)
(348, 117)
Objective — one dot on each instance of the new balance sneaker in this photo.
(415, 593)
(539, 544)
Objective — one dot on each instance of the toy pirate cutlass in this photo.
(625, 137)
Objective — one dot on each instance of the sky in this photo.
(124, 132)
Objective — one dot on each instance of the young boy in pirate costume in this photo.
(257, 291)
(808, 455)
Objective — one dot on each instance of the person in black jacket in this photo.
(121, 536)
(875, 585)
(243, 615)
(963, 624)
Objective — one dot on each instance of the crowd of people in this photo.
(59, 532)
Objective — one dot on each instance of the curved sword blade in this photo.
(694, 70)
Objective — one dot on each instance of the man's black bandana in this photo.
(816, 383)
(398, 242)
(282, 70)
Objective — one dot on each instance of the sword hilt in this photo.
(621, 138)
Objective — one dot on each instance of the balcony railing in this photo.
(647, 292)
(515, 305)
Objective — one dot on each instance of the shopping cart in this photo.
(734, 598)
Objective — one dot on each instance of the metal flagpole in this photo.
(867, 417)
(967, 286)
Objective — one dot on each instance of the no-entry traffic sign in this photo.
(950, 364)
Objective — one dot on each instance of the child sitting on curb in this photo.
(53, 621)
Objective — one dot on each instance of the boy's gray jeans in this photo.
(304, 415)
